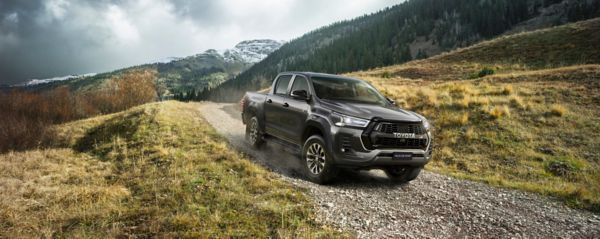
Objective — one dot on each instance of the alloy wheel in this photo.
(315, 158)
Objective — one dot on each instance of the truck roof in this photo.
(311, 74)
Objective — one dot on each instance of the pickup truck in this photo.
(338, 122)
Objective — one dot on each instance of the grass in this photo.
(485, 135)
(533, 125)
(557, 110)
(157, 170)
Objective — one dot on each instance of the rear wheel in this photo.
(402, 173)
(253, 134)
(317, 161)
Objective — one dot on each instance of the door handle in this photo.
(269, 101)
(286, 105)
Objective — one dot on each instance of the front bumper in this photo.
(349, 151)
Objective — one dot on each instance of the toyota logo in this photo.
(405, 135)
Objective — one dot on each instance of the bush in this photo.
(485, 72)
(25, 116)
(507, 90)
(561, 168)
(386, 74)
(557, 110)
(499, 111)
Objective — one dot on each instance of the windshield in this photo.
(328, 88)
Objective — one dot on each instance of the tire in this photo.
(402, 174)
(317, 161)
(253, 134)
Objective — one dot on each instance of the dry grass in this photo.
(499, 111)
(497, 129)
(507, 90)
(49, 192)
(157, 170)
(557, 110)
(532, 125)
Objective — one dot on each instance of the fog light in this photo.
(343, 150)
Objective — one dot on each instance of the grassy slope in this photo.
(155, 170)
(532, 126)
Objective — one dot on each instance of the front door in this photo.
(274, 109)
(296, 111)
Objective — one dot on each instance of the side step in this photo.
(287, 146)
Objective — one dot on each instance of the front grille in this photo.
(396, 143)
(390, 128)
(383, 136)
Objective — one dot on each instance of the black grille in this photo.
(390, 128)
(383, 136)
(400, 143)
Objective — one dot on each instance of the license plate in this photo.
(401, 156)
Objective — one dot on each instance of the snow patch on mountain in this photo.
(251, 51)
(166, 60)
(33, 82)
(247, 52)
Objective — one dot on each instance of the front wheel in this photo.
(253, 134)
(402, 174)
(318, 161)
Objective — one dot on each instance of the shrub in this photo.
(463, 119)
(499, 111)
(557, 110)
(517, 102)
(25, 116)
(386, 74)
(507, 90)
(469, 133)
(485, 72)
(560, 168)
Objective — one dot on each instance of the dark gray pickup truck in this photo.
(338, 122)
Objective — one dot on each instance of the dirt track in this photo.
(433, 205)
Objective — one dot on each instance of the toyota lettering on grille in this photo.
(405, 135)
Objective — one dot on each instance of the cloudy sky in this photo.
(48, 38)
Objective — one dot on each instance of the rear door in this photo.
(296, 111)
(274, 109)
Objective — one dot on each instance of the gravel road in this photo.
(432, 206)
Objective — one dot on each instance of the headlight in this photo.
(344, 120)
(426, 125)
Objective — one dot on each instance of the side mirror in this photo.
(300, 95)
(391, 101)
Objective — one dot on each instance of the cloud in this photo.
(47, 38)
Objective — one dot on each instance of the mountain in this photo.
(415, 29)
(179, 75)
(519, 111)
(251, 51)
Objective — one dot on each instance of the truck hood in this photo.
(369, 111)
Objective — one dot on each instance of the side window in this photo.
(300, 83)
(282, 85)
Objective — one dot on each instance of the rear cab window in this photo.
(282, 83)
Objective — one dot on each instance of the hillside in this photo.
(532, 123)
(567, 45)
(415, 29)
(182, 76)
(157, 170)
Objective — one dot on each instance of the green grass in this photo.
(157, 170)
